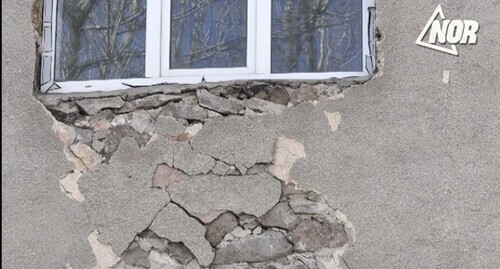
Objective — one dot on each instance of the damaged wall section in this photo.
(193, 177)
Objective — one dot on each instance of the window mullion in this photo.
(263, 37)
(153, 38)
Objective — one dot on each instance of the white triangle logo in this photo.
(438, 12)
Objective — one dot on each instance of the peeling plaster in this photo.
(106, 257)
(287, 152)
(69, 185)
(333, 120)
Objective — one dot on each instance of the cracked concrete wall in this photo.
(402, 169)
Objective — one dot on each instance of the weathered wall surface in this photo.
(401, 171)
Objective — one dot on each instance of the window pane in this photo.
(100, 39)
(316, 36)
(208, 33)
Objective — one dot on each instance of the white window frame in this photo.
(157, 70)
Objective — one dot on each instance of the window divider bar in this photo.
(263, 37)
(165, 37)
(153, 38)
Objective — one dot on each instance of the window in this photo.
(102, 45)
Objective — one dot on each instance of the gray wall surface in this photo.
(414, 164)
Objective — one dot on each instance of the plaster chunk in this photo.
(223, 169)
(184, 111)
(173, 223)
(119, 198)
(148, 102)
(287, 152)
(69, 184)
(252, 194)
(141, 121)
(167, 125)
(93, 106)
(333, 120)
(105, 256)
(190, 161)
(219, 104)
(235, 140)
(264, 106)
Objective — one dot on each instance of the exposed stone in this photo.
(260, 105)
(333, 120)
(173, 223)
(118, 133)
(219, 104)
(93, 106)
(65, 133)
(184, 111)
(239, 232)
(313, 235)
(193, 129)
(155, 242)
(119, 198)
(248, 221)
(136, 256)
(104, 254)
(84, 135)
(190, 161)
(210, 216)
(98, 144)
(280, 216)
(257, 230)
(65, 112)
(235, 140)
(120, 120)
(100, 125)
(306, 92)
(303, 206)
(287, 152)
(256, 169)
(208, 193)
(180, 253)
(163, 261)
(154, 112)
(169, 126)
(223, 169)
(274, 93)
(213, 114)
(166, 177)
(217, 229)
(148, 102)
(141, 121)
(69, 185)
(241, 168)
(267, 246)
(88, 156)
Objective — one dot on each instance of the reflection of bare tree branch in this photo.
(208, 33)
(105, 39)
(316, 35)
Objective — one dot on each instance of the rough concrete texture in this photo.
(119, 198)
(202, 195)
(41, 227)
(173, 223)
(410, 156)
(235, 140)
